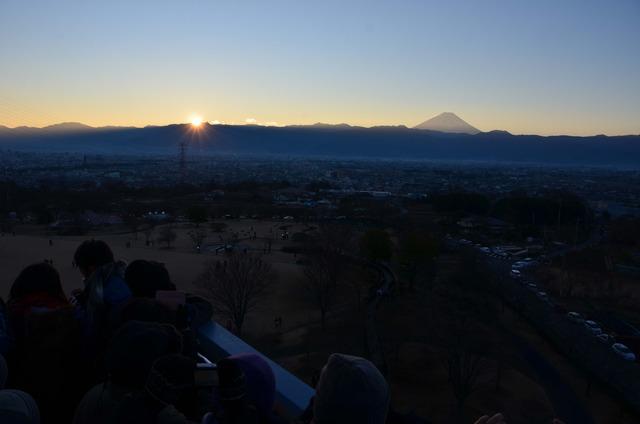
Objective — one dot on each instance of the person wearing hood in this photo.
(351, 390)
(18, 407)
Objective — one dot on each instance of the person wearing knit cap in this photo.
(18, 407)
(260, 383)
(351, 390)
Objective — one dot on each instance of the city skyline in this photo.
(542, 68)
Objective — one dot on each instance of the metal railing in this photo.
(216, 342)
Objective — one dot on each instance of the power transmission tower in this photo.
(183, 161)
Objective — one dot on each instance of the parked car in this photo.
(623, 351)
(544, 297)
(575, 317)
(593, 327)
(605, 338)
(515, 273)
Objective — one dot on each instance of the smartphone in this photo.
(206, 373)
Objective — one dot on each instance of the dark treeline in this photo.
(46, 199)
(554, 208)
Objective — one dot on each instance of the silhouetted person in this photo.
(151, 280)
(129, 359)
(104, 292)
(18, 407)
(145, 310)
(231, 405)
(36, 285)
(169, 395)
(145, 278)
(44, 357)
(246, 392)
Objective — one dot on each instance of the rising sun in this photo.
(196, 122)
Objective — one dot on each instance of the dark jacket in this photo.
(104, 292)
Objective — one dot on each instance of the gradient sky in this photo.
(544, 66)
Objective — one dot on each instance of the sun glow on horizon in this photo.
(196, 121)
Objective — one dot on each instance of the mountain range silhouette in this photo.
(324, 140)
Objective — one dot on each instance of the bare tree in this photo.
(464, 354)
(198, 236)
(463, 368)
(464, 305)
(234, 285)
(323, 272)
(326, 267)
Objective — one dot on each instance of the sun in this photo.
(196, 122)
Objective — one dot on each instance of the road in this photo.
(387, 281)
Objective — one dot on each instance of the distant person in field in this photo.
(44, 357)
(104, 291)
